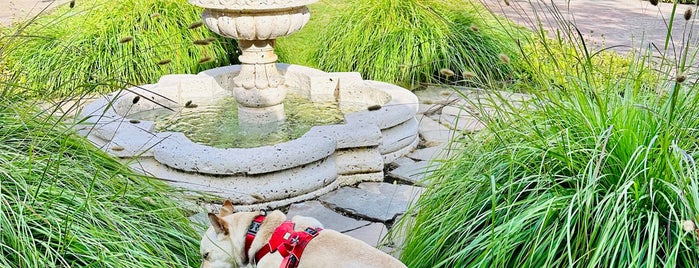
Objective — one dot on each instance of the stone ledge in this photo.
(308, 181)
(179, 152)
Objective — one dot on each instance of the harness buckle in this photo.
(293, 261)
(294, 241)
(311, 231)
(254, 228)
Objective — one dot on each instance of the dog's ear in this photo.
(219, 224)
(227, 208)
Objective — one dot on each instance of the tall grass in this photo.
(592, 172)
(299, 48)
(111, 42)
(412, 40)
(64, 203)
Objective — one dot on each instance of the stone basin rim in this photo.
(242, 6)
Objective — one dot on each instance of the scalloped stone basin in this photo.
(379, 127)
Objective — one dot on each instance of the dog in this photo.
(224, 243)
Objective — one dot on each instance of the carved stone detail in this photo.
(250, 4)
(256, 25)
(258, 88)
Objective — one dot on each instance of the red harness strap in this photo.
(289, 243)
(252, 230)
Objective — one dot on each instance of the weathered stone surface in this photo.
(371, 234)
(457, 111)
(349, 135)
(401, 107)
(200, 221)
(352, 179)
(430, 153)
(434, 133)
(177, 151)
(392, 156)
(330, 219)
(425, 109)
(373, 201)
(358, 160)
(402, 161)
(437, 95)
(399, 136)
(415, 173)
(223, 76)
(309, 180)
(323, 88)
(461, 123)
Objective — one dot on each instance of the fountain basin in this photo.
(379, 127)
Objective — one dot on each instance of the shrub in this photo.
(111, 43)
(550, 64)
(411, 41)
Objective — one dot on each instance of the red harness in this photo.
(289, 243)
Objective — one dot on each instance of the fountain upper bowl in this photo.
(251, 5)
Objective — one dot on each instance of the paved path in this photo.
(622, 24)
(13, 10)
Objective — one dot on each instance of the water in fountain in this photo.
(217, 125)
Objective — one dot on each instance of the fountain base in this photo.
(321, 160)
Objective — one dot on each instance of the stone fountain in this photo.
(379, 118)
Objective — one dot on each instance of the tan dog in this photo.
(223, 244)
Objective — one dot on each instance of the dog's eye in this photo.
(205, 256)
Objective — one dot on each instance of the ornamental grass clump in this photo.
(409, 41)
(64, 203)
(580, 178)
(108, 43)
(590, 172)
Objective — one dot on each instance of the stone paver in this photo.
(434, 133)
(329, 218)
(414, 173)
(371, 234)
(462, 122)
(402, 161)
(380, 202)
(429, 153)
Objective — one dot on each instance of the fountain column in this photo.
(259, 88)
